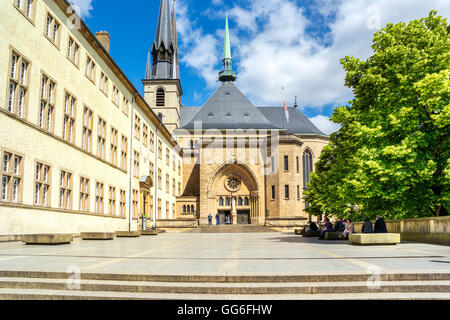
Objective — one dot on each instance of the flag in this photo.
(286, 111)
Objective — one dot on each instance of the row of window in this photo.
(241, 201)
(307, 165)
(12, 186)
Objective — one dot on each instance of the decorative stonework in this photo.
(233, 183)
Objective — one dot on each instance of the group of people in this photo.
(210, 219)
(346, 227)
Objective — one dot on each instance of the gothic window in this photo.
(160, 97)
(184, 209)
(192, 209)
(240, 201)
(220, 202)
(307, 168)
(188, 209)
(246, 201)
(227, 201)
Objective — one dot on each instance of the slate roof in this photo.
(229, 100)
(228, 108)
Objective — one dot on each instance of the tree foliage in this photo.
(391, 155)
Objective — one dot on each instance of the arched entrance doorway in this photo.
(233, 193)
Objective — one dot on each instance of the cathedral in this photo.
(243, 163)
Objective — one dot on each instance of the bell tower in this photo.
(162, 87)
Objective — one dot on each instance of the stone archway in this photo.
(233, 191)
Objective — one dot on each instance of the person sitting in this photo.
(367, 226)
(348, 228)
(328, 226)
(380, 225)
(312, 227)
(339, 225)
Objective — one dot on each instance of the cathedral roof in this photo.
(228, 108)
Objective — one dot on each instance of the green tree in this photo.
(392, 153)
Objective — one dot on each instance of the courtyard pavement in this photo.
(225, 254)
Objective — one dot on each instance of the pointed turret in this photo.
(227, 74)
(176, 69)
(163, 46)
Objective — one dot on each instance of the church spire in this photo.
(148, 68)
(176, 61)
(227, 74)
(163, 46)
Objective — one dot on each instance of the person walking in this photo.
(210, 219)
(380, 225)
(367, 226)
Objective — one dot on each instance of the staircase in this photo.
(16, 285)
(240, 228)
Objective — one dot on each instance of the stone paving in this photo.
(225, 254)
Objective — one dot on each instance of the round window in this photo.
(233, 184)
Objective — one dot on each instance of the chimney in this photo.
(104, 38)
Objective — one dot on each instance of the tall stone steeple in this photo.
(163, 46)
(162, 88)
(227, 74)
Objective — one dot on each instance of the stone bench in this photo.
(47, 239)
(97, 235)
(128, 234)
(367, 239)
(150, 232)
(333, 236)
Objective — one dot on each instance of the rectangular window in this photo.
(52, 28)
(99, 198)
(136, 164)
(26, 7)
(135, 204)
(286, 163)
(124, 153)
(47, 104)
(167, 157)
(90, 69)
(286, 191)
(65, 190)
(273, 193)
(115, 95)
(101, 139)
(152, 141)
(160, 149)
(159, 179)
(69, 118)
(104, 83)
(144, 134)
(84, 194)
(18, 84)
(42, 185)
(298, 164)
(123, 203)
(167, 184)
(174, 186)
(152, 169)
(73, 50)
(125, 106)
(11, 177)
(159, 208)
(112, 201)
(167, 209)
(88, 122)
(114, 145)
(137, 127)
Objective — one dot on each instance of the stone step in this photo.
(234, 229)
(186, 278)
(33, 294)
(228, 288)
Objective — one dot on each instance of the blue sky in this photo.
(295, 44)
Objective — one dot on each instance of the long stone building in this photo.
(82, 150)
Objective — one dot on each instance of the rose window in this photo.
(233, 184)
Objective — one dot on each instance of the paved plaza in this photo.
(224, 254)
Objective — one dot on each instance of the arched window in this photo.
(160, 97)
(220, 202)
(240, 201)
(246, 202)
(227, 201)
(307, 168)
(189, 209)
(184, 209)
(192, 209)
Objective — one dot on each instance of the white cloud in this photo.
(325, 124)
(85, 7)
(271, 41)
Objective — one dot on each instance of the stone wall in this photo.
(431, 230)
